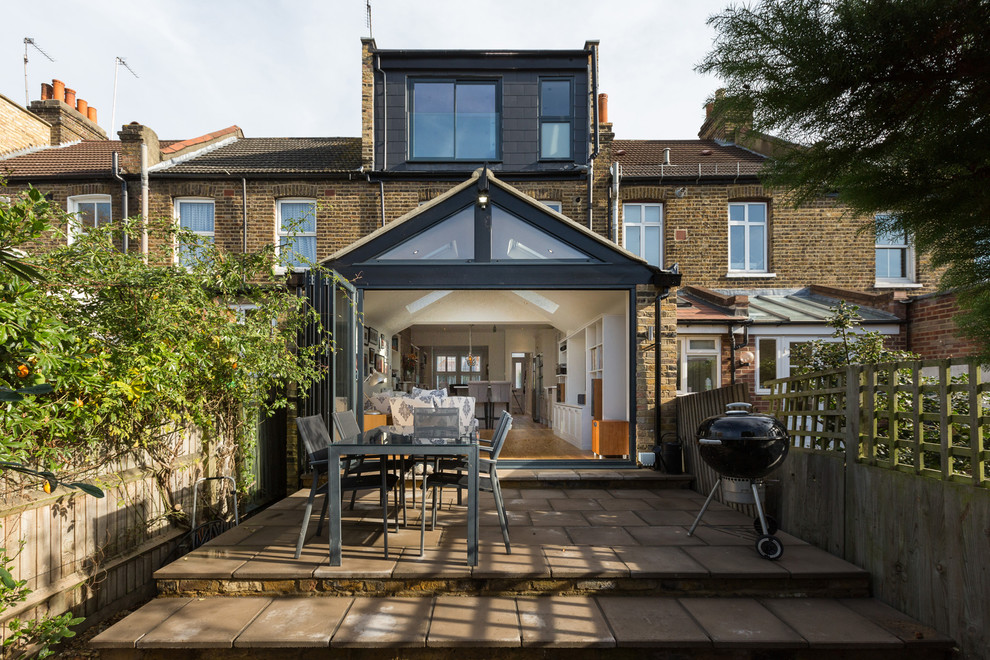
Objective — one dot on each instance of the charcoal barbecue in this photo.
(743, 447)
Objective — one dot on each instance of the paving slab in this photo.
(557, 475)
(385, 623)
(726, 561)
(207, 562)
(563, 622)
(539, 536)
(727, 535)
(473, 621)
(125, 633)
(599, 535)
(294, 623)
(662, 517)
(913, 633)
(664, 535)
(809, 561)
(582, 561)
(634, 493)
(649, 622)
(541, 493)
(615, 518)
(547, 518)
(596, 494)
(274, 535)
(575, 504)
(279, 562)
(625, 504)
(667, 562)
(525, 561)
(205, 623)
(359, 563)
(828, 624)
(449, 561)
(741, 622)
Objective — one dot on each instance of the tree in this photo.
(888, 105)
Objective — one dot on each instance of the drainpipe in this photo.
(115, 166)
(616, 171)
(656, 363)
(381, 193)
(244, 214)
(733, 347)
(378, 67)
(144, 202)
(595, 118)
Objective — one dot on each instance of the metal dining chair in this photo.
(316, 439)
(487, 482)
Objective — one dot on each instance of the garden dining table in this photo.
(386, 441)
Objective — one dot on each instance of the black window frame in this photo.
(411, 113)
(556, 119)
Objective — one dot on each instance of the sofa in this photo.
(401, 407)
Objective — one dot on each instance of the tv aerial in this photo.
(118, 61)
(28, 41)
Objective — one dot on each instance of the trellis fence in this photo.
(889, 468)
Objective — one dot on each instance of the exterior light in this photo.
(483, 199)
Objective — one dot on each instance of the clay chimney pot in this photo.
(47, 92)
(603, 108)
(91, 113)
(70, 96)
(82, 106)
(58, 89)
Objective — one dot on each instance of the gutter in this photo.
(115, 170)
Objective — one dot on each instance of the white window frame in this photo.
(556, 206)
(684, 351)
(783, 354)
(72, 206)
(641, 226)
(178, 221)
(280, 234)
(747, 226)
(907, 248)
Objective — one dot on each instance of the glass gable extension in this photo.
(454, 120)
(514, 239)
(449, 240)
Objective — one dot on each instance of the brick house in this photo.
(493, 228)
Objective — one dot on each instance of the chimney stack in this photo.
(70, 118)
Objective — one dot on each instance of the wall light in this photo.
(483, 199)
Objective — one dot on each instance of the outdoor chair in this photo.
(316, 439)
(487, 482)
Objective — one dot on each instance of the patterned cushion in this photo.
(379, 402)
(465, 411)
(431, 396)
(402, 409)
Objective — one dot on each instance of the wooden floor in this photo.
(529, 440)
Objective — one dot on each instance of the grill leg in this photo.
(704, 508)
(759, 508)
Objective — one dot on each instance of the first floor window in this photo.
(642, 227)
(555, 118)
(893, 255)
(195, 215)
(698, 365)
(88, 212)
(297, 232)
(748, 237)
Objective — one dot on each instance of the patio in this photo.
(605, 567)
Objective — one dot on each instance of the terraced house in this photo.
(492, 228)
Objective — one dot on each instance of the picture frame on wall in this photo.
(381, 343)
(371, 359)
(380, 363)
(372, 336)
(395, 342)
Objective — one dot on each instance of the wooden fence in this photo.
(888, 469)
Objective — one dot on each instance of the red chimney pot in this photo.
(58, 89)
(603, 108)
(70, 96)
(47, 92)
(82, 106)
(91, 113)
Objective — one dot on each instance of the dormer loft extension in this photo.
(452, 111)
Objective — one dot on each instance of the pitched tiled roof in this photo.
(86, 158)
(274, 156)
(772, 308)
(644, 158)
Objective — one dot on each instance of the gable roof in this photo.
(274, 156)
(645, 157)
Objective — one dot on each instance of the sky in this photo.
(291, 68)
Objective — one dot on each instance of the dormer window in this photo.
(556, 118)
(454, 120)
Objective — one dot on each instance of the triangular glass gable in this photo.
(449, 240)
(514, 239)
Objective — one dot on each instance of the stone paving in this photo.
(590, 568)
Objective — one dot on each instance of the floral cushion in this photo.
(466, 421)
(402, 409)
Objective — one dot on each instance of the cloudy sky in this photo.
(292, 67)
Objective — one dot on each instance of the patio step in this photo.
(501, 627)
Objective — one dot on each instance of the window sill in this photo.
(743, 273)
(897, 285)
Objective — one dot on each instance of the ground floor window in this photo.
(458, 366)
(773, 358)
(698, 361)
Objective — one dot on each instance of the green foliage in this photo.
(27, 639)
(135, 352)
(888, 101)
(851, 348)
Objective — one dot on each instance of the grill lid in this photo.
(743, 444)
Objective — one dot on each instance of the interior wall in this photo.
(480, 336)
